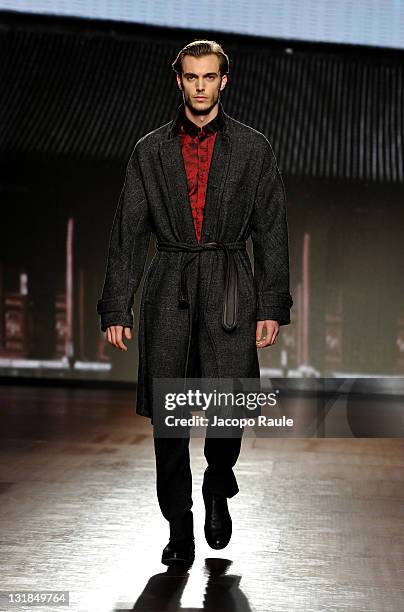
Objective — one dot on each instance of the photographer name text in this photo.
(200, 421)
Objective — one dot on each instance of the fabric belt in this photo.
(230, 303)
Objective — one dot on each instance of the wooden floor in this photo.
(317, 525)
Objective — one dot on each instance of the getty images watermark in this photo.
(227, 406)
(199, 400)
(323, 407)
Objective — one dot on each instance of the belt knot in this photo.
(230, 303)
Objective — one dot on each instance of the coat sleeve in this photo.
(128, 245)
(269, 234)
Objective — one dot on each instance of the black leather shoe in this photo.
(182, 551)
(218, 524)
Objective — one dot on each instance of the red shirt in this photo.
(197, 148)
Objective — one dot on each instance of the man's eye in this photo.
(210, 77)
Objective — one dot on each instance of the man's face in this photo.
(201, 83)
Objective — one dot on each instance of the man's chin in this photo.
(203, 108)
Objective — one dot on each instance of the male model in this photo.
(202, 184)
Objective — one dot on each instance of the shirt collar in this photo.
(191, 128)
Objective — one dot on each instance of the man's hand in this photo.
(272, 331)
(114, 336)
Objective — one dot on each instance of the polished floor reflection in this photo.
(317, 525)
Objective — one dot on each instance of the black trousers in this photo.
(173, 471)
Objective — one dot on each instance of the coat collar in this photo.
(219, 122)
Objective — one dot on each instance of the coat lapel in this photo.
(219, 167)
(176, 179)
(174, 171)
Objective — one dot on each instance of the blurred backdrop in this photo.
(81, 83)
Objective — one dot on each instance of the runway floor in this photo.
(317, 525)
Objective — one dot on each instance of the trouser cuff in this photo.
(182, 527)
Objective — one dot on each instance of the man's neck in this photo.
(201, 120)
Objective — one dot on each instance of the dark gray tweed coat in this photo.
(245, 197)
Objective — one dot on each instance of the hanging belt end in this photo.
(183, 301)
(229, 326)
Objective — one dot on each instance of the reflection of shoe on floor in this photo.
(218, 524)
(217, 567)
(182, 551)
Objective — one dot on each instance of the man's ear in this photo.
(179, 82)
(224, 82)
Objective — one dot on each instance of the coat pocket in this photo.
(246, 279)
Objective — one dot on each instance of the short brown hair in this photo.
(198, 48)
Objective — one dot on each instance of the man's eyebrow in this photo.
(207, 74)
